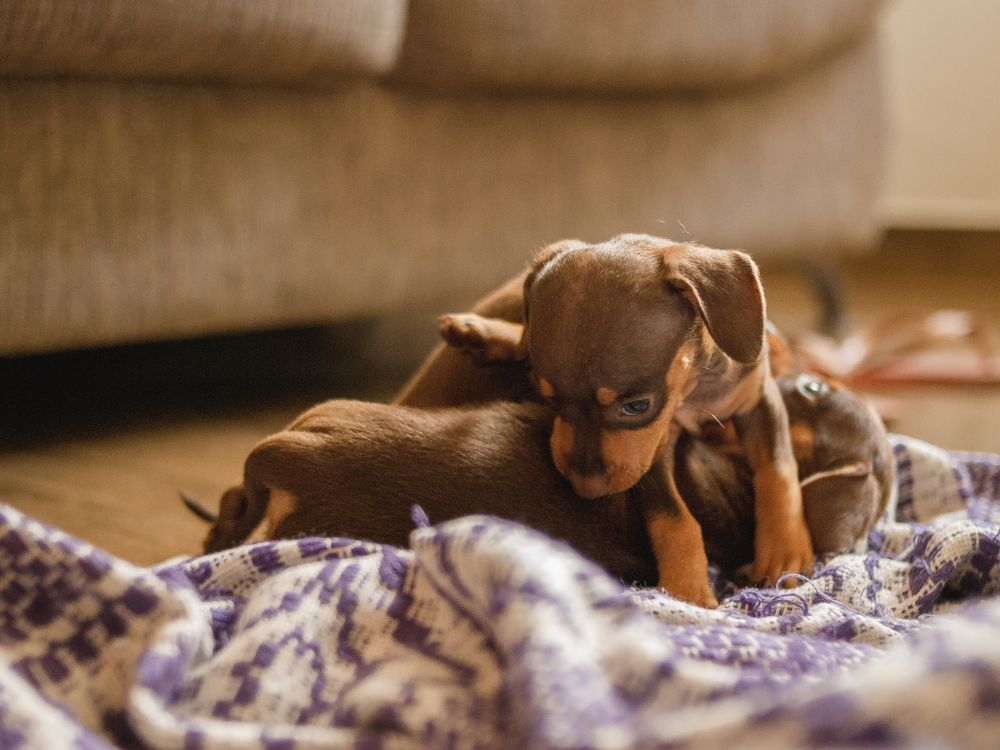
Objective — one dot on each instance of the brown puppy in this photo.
(354, 469)
(632, 341)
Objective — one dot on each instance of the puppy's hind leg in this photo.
(272, 471)
(234, 522)
(782, 543)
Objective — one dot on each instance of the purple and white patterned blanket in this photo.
(488, 635)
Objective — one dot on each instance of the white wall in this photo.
(942, 65)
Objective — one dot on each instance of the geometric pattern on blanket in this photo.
(487, 634)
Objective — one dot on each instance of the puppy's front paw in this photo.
(463, 332)
(681, 562)
(781, 540)
(782, 548)
(483, 339)
(697, 593)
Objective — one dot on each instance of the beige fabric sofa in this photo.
(171, 168)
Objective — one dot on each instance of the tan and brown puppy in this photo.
(631, 342)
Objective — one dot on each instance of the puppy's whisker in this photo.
(719, 421)
(723, 375)
(856, 469)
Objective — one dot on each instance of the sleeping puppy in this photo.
(355, 469)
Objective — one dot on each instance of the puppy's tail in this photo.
(198, 509)
(826, 287)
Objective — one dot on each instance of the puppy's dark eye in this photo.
(635, 408)
(811, 387)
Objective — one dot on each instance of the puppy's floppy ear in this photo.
(724, 287)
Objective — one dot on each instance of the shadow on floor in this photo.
(97, 392)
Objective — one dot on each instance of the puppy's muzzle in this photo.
(594, 471)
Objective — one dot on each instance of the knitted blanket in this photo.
(486, 634)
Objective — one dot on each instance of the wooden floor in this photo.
(99, 443)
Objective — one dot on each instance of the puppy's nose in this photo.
(591, 486)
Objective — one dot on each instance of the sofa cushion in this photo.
(664, 45)
(229, 40)
(182, 210)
